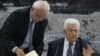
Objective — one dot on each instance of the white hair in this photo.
(71, 21)
(40, 4)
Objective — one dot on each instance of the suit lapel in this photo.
(24, 24)
(77, 50)
(35, 31)
(25, 20)
(60, 47)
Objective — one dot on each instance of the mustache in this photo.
(73, 36)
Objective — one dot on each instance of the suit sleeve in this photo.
(85, 42)
(49, 52)
(38, 43)
(9, 31)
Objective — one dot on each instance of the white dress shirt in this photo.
(27, 39)
(66, 45)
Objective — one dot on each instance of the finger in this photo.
(22, 52)
(84, 50)
(89, 48)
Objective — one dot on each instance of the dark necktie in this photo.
(69, 51)
(31, 32)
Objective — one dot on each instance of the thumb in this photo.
(83, 51)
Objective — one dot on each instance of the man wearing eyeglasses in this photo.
(24, 30)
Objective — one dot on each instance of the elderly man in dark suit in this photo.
(24, 30)
(72, 44)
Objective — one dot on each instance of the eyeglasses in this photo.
(38, 16)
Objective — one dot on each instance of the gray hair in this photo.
(71, 21)
(40, 4)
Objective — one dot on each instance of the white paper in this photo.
(32, 53)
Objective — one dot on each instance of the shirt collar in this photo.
(30, 17)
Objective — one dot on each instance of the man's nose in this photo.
(73, 33)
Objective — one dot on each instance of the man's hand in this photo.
(19, 52)
(87, 51)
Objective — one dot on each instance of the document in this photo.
(32, 53)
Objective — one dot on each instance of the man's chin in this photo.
(36, 21)
(74, 40)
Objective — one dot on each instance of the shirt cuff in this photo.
(13, 50)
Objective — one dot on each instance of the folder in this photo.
(32, 53)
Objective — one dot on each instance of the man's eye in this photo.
(71, 30)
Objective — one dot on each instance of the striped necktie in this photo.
(31, 32)
(69, 51)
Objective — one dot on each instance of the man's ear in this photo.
(64, 31)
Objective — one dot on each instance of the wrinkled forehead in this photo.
(73, 26)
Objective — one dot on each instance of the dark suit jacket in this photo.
(15, 29)
(55, 48)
